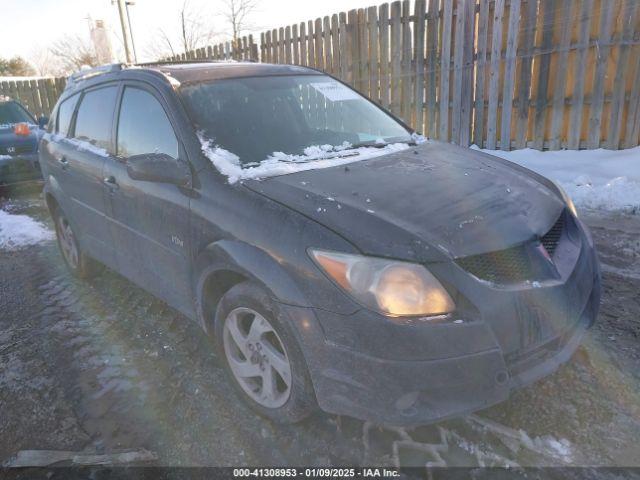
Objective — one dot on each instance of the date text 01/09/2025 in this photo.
(316, 472)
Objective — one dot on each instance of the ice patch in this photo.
(279, 163)
(18, 231)
(595, 179)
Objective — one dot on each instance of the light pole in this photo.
(126, 32)
(133, 43)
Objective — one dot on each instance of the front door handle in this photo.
(110, 182)
(64, 163)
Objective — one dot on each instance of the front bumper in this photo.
(422, 392)
(420, 374)
(19, 169)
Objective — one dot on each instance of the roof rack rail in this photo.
(195, 60)
(92, 72)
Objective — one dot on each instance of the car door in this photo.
(149, 220)
(76, 161)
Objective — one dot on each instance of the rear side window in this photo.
(65, 112)
(143, 126)
(93, 121)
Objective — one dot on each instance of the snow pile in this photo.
(17, 231)
(279, 163)
(597, 179)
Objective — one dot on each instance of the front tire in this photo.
(262, 356)
(79, 263)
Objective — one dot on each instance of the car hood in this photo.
(432, 202)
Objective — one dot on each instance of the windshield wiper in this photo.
(347, 152)
(375, 144)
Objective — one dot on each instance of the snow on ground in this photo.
(279, 163)
(17, 231)
(597, 179)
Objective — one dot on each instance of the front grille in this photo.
(514, 264)
(505, 266)
(552, 238)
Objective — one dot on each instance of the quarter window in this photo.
(93, 122)
(143, 126)
(65, 112)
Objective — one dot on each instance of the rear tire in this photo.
(261, 355)
(79, 263)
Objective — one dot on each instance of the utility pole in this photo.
(126, 33)
(133, 43)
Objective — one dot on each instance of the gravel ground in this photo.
(104, 367)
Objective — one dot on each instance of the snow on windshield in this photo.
(279, 163)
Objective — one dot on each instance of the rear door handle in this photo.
(110, 182)
(64, 163)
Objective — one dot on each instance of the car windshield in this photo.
(256, 117)
(11, 112)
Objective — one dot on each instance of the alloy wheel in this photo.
(257, 357)
(67, 242)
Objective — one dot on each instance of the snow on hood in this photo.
(18, 231)
(596, 179)
(279, 163)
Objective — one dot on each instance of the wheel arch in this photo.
(225, 263)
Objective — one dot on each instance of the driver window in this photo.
(143, 126)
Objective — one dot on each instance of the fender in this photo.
(250, 262)
(52, 187)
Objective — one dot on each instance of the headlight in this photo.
(567, 199)
(390, 287)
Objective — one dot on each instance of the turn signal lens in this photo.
(21, 129)
(567, 199)
(390, 287)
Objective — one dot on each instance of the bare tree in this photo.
(73, 52)
(237, 14)
(45, 63)
(193, 31)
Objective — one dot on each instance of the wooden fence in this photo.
(498, 73)
(243, 49)
(546, 74)
(38, 96)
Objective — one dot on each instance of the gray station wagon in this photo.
(340, 260)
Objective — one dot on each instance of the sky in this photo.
(29, 26)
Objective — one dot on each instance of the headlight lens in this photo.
(390, 287)
(567, 199)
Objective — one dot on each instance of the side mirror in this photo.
(42, 122)
(158, 167)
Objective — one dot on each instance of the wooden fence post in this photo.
(559, 89)
(509, 75)
(494, 74)
(602, 57)
(577, 100)
(445, 62)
